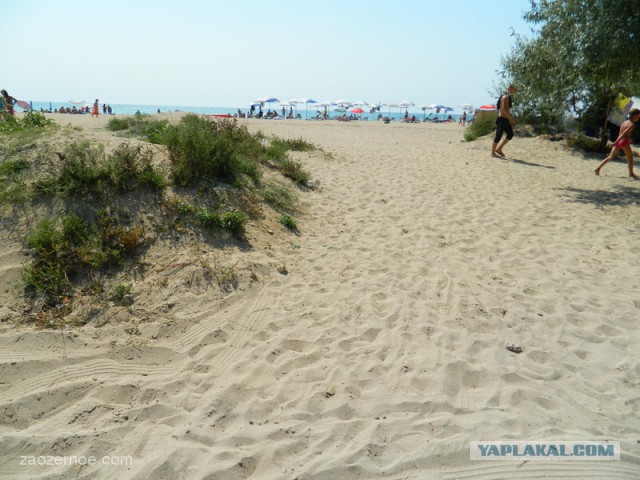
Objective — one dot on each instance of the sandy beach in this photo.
(381, 352)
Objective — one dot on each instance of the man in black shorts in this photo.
(504, 123)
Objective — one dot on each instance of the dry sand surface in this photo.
(381, 354)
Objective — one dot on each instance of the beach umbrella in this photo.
(268, 100)
(424, 109)
(323, 104)
(444, 108)
(466, 107)
(287, 105)
(405, 104)
(343, 103)
(487, 107)
(390, 105)
(373, 108)
(360, 103)
(306, 101)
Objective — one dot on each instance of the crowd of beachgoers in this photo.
(106, 110)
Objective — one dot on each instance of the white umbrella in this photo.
(268, 100)
(324, 104)
(391, 105)
(306, 102)
(360, 103)
(426, 107)
(466, 106)
(442, 107)
(406, 104)
(343, 103)
(286, 104)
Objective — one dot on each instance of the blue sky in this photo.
(228, 52)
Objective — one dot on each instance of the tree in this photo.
(580, 55)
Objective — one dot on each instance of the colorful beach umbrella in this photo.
(424, 109)
(487, 107)
(306, 101)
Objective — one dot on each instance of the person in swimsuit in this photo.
(504, 123)
(623, 142)
(8, 102)
(96, 109)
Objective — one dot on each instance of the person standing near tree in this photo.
(623, 142)
(504, 122)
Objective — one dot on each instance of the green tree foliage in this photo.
(580, 54)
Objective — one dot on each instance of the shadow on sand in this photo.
(617, 197)
(528, 164)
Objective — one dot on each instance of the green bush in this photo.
(122, 294)
(201, 149)
(118, 124)
(85, 169)
(295, 172)
(280, 198)
(140, 125)
(289, 222)
(277, 151)
(231, 221)
(129, 167)
(582, 142)
(484, 124)
(154, 131)
(296, 145)
(70, 245)
(30, 119)
(13, 166)
(16, 192)
(9, 123)
(79, 172)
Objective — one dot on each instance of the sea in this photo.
(305, 114)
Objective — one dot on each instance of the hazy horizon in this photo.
(199, 53)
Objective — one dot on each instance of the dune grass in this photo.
(81, 243)
(201, 149)
(67, 246)
(484, 124)
(289, 222)
(30, 120)
(84, 168)
(140, 125)
(280, 198)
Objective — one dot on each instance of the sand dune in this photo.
(381, 354)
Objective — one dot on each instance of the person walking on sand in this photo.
(623, 142)
(504, 123)
(96, 109)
